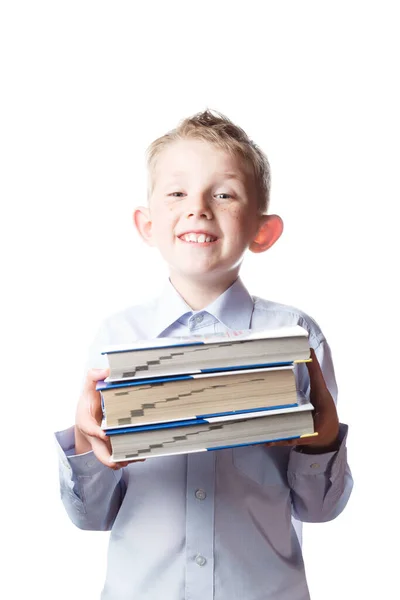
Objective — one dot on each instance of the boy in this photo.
(213, 525)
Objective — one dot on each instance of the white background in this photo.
(86, 86)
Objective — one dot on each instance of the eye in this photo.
(223, 196)
(177, 194)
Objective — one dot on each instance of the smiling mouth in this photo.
(197, 238)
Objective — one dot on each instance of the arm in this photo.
(90, 491)
(320, 484)
(318, 473)
(91, 485)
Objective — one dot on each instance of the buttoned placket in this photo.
(200, 526)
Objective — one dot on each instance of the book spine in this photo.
(214, 449)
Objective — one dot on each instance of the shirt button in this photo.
(199, 318)
(200, 560)
(200, 494)
(314, 465)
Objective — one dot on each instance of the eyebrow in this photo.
(177, 173)
(229, 175)
(225, 175)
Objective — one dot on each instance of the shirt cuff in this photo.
(315, 464)
(79, 464)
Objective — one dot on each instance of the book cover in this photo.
(215, 372)
(183, 438)
(213, 418)
(166, 357)
(212, 338)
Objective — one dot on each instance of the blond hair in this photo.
(215, 128)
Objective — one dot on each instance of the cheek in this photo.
(164, 224)
(235, 218)
(230, 212)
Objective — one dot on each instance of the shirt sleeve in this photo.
(91, 492)
(320, 484)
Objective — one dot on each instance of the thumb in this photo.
(92, 396)
(315, 371)
(102, 451)
(93, 377)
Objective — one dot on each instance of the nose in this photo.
(199, 206)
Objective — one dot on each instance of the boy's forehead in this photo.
(182, 157)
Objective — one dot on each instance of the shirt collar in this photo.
(233, 308)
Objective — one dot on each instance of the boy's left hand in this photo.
(326, 421)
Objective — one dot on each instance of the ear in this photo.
(143, 224)
(268, 233)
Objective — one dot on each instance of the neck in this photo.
(197, 293)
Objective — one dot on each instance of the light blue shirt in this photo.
(218, 525)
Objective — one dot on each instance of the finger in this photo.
(86, 421)
(93, 376)
(92, 397)
(94, 407)
(102, 451)
(92, 429)
(320, 395)
(315, 371)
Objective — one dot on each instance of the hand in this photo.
(88, 433)
(326, 421)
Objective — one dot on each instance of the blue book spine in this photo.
(246, 410)
(103, 385)
(292, 437)
(160, 347)
(153, 426)
(198, 420)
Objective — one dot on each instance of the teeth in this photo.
(200, 239)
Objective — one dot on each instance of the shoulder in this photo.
(274, 314)
(129, 324)
(122, 327)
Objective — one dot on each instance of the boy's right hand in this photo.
(88, 433)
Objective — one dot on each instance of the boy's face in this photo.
(202, 211)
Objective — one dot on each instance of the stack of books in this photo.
(179, 395)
